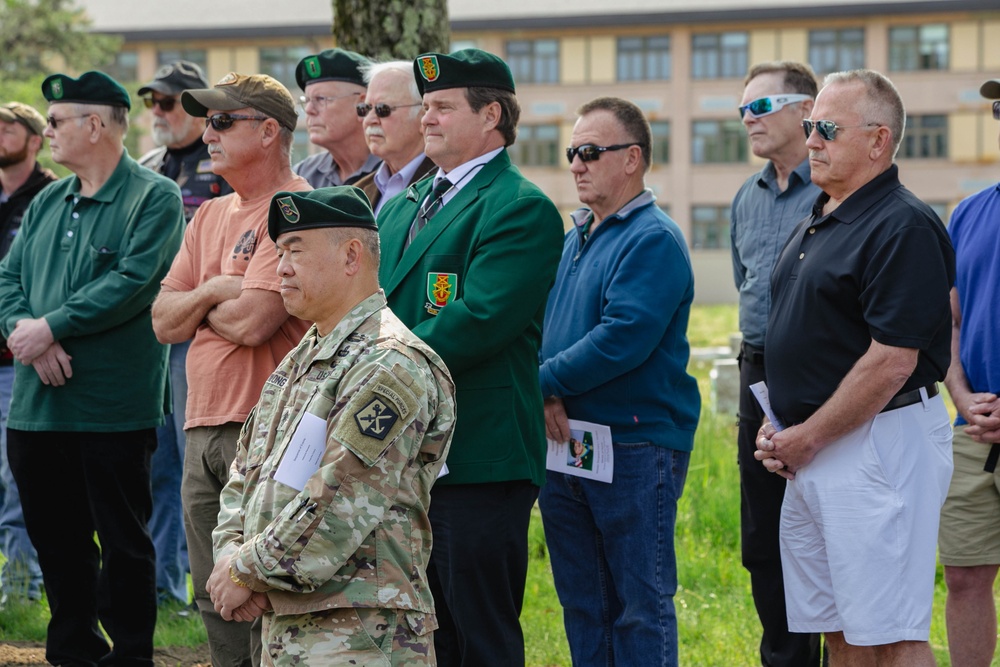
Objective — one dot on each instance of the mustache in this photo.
(374, 131)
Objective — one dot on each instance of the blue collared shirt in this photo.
(391, 185)
(761, 220)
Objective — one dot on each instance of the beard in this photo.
(165, 135)
(9, 159)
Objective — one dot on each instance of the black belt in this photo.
(909, 398)
(752, 355)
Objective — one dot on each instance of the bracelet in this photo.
(236, 580)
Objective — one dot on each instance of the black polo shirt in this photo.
(881, 267)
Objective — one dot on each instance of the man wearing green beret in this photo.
(333, 82)
(223, 294)
(89, 391)
(468, 259)
(324, 527)
(21, 178)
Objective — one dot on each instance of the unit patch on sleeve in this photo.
(375, 416)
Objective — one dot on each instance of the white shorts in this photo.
(859, 528)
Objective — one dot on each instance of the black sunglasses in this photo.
(382, 110)
(828, 129)
(166, 104)
(53, 122)
(996, 110)
(590, 152)
(221, 122)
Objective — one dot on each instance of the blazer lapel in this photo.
(440, 222)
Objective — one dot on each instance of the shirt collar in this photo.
(582, 216)
(383, 178)
(109, 190)
(861, 199)
(459, 176)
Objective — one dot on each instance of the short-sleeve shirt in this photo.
(878, 267)
(228, 236)
(322, 172)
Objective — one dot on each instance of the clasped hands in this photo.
(784, 452)
(32, 343)
(233, 601)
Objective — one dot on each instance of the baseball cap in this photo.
(237, 91)
(15, 112)
(175, 78)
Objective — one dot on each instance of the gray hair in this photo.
(881, 103)
(111, 116)
(405, 67)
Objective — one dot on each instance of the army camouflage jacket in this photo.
(357, 535)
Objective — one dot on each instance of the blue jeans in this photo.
(612, 553)
(166, 525)
(21, 576)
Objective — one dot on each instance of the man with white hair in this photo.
(391, 113)
(75, 293)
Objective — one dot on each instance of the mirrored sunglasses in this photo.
(221, 122)
(382, 110)
(166, 104)
(828, 129)
(765, 106)
(590, 152)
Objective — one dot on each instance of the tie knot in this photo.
(440, 188)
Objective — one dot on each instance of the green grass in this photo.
(718, 623)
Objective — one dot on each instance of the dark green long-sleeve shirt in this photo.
(91, 266)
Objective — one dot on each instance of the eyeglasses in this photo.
(996, 110)
(54, 122)
(166, 104)
(320, 102)
(382, 110)
(828, 129)
(590, 152)
(765, 106)
(221, 122)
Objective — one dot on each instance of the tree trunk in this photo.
(392, 29)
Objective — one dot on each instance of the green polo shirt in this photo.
(91, 266)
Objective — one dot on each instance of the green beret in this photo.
(467, 68)
(90, 88)
(332, 65)
(340, 206)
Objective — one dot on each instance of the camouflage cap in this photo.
(340, 206)
(332, 65)
(175, 78)
(462, 69)
(238, 91)
(91, 88)
(15, 112)
(991, 89)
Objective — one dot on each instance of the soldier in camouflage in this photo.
(323, 528)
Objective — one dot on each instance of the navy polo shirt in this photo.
(881, 267)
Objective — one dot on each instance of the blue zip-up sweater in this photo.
(614, 344)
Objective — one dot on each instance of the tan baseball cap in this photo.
(238, 91)
(15, 112)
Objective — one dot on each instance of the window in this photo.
(125, 66)
(918, 47)
(280, 62)
(197, 56)
(534, 61)
(719, 55)
(837, 50)
(643, 58)
(709, 227)
(661, 141)
(925, 137)
(460, 44)
(536, 146)
(716, 141)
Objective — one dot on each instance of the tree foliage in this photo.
(32, 32)
(392, 29)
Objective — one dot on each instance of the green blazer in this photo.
(473, 285)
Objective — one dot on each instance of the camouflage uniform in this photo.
(344, 560)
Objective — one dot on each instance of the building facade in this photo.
(682, 61)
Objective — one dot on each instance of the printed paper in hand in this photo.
(304, 453)
(760, 393)
(587, 454)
